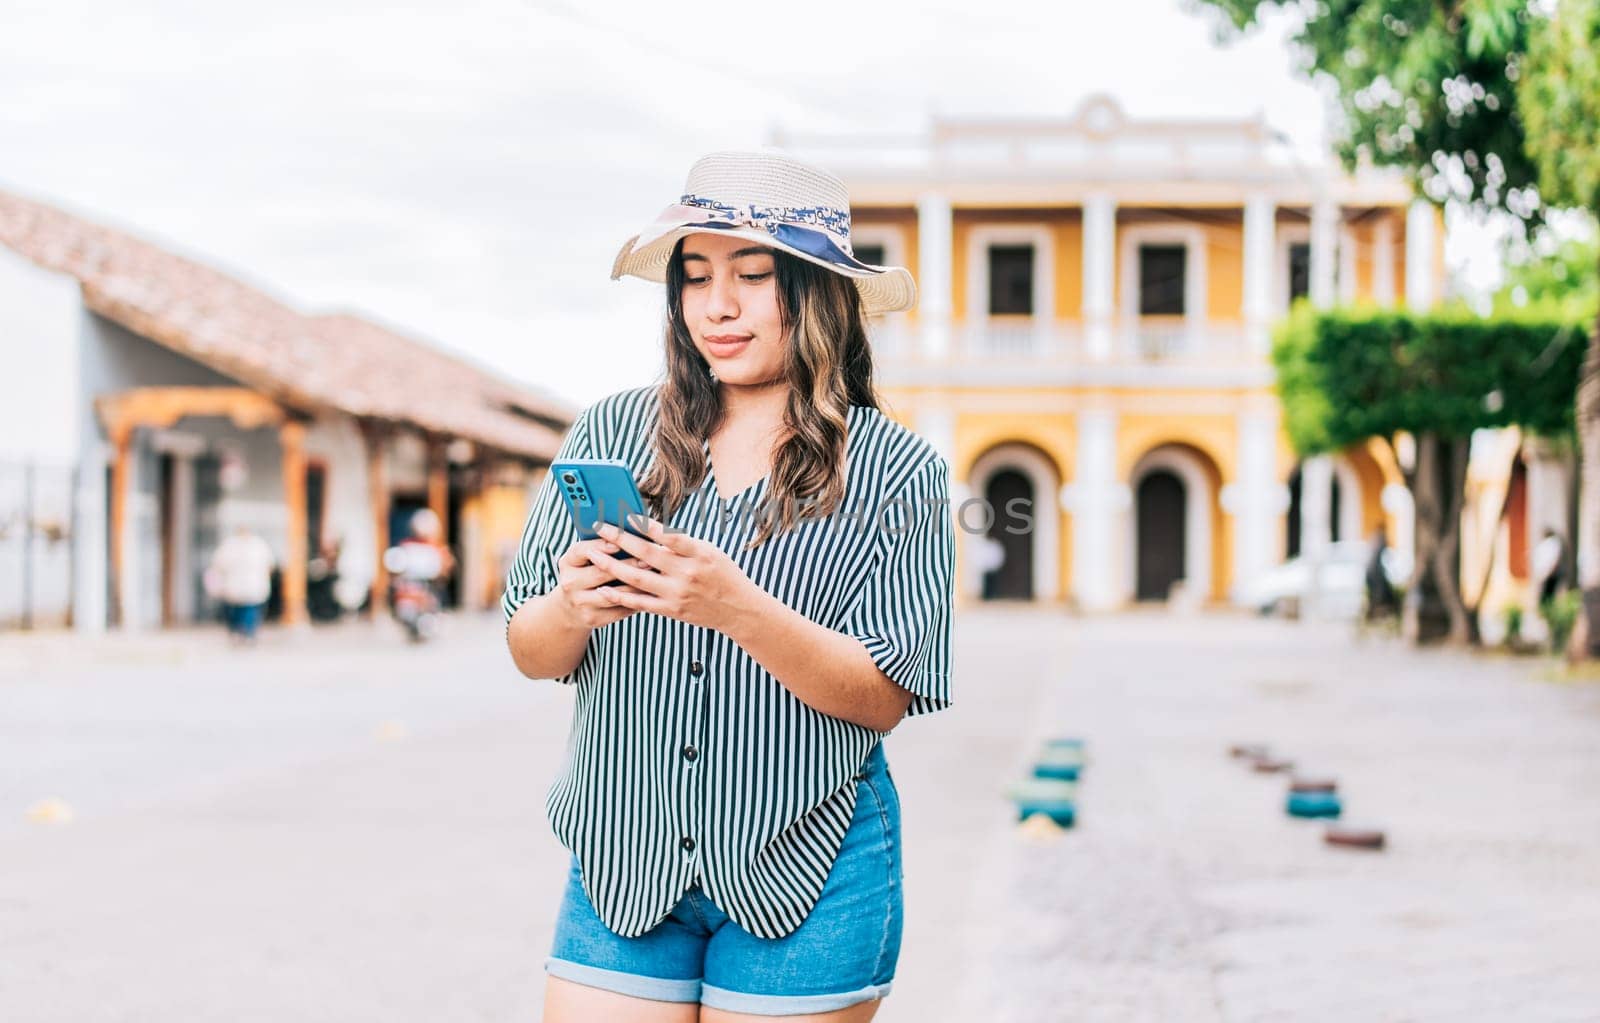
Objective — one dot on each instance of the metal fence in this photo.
(35, 544)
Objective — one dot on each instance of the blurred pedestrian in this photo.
(1550, 565)
(1381, 601)
(322, 578)
(991, 555)
(426, 549)
(240, 576)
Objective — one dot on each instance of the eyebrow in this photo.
(754, 250)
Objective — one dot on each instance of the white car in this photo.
(1332, 586)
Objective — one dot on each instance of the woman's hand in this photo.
(582, 586)
(675, 575)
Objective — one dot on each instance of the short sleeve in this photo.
(903, 614)
(547, 534)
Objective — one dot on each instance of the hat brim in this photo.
(883, 289)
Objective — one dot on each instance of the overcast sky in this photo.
(466, 171)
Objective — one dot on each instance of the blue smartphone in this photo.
(599, 490)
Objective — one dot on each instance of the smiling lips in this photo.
(726, 344)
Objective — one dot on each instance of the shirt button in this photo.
(696, 668)
(689, 753)
(687, 843)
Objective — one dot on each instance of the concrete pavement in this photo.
(335, 826)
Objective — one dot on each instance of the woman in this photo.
(734, 827)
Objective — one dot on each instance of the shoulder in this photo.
(893, 451)
(619, 425)
(621, 408)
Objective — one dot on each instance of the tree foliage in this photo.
(1423, 85)
(1562, 281)
(1349, 375)
(1560, 103)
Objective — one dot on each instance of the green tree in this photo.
(1423, 85)
(1560, 100)
(1563, 281)
(1491, 103)
(1349, 375)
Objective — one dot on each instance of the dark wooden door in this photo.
(1013, 580)
(1160, 551)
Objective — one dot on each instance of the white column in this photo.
(1383, 262)
(1259, 249)
(1347, 265)
(1324, 251)
(184, 571)
(1099, 270)
(936, 422)
(474, 570)
(1316, 501)
(1254, 508)
(130, 587)
(934, 242)
(89, 554)
(1093, 501)
(1421, 291)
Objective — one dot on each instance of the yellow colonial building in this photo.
(1092, 337)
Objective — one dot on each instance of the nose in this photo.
(723, 301)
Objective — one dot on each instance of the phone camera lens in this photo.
(569, 477)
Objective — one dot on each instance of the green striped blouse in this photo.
(688, 761)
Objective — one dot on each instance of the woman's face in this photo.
(730, 305)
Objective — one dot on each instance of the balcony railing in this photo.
(1021, 341)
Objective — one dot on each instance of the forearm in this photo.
(545, 642)
(827, 670)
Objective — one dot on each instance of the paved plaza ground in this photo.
(335, 827)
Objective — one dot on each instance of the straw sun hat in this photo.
(774, 199)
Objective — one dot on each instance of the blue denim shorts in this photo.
(843, 953)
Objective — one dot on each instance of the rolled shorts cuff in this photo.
(787, 1005)
(659, 989)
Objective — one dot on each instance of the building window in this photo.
(873, 254)
(1299, 270)
(1011, 280)
(1162, 270)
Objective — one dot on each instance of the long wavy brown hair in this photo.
(828, 365)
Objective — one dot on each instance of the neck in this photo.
(754, 402)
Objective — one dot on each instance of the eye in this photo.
(753, 278)
(695, 280)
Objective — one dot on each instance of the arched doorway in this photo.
(1170, 525)
(1012, 579)
(1161, 514)
(1344, 506)
(1030, 554)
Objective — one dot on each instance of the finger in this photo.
(608, 595)
(633, 575)
(673, 540)
(589, 576)
(601, 597)
(577, 555)
(627, 596)
(645, 550)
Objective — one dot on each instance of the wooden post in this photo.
(439, 487)
(122, 442)
(378, 496)
(292, 436)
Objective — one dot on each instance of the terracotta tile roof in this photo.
(338, 362)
